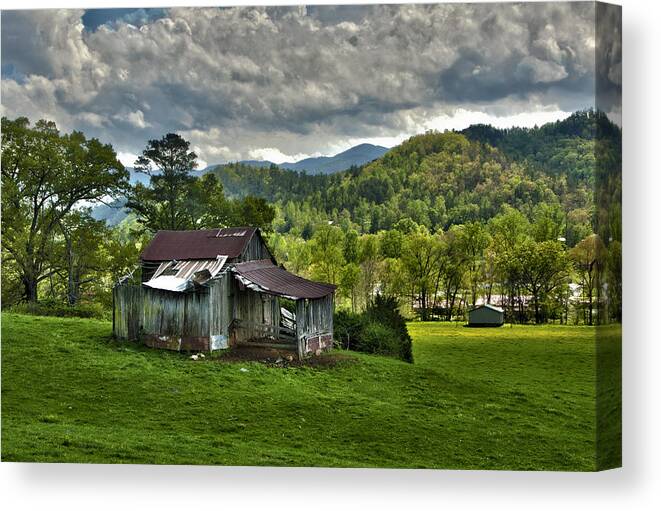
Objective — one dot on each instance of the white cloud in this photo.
(137, 119)
(282, 83)
(127, 159)
(275, 155)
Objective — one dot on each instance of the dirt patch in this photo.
(283, 358)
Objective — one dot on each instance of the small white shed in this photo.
(486, 315)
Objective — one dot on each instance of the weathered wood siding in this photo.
(314, 325)
(168, 313)
(220, 311)
(127, 310)
(256, 315)
(255, 249)
(196, 321)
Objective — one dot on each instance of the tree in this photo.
(473, 239)
(349, 278)
(205, 206)
(368, 253)
(588, 256)
(543, 267)
(254, 212)
(45, 175)
(508, 230)
(549, 222)
(351, 246)
(83, 258)
(327, 255)
(391, 243)
(451, 269)
(420, 257)
(163, 205)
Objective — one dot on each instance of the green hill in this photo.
(509, 398)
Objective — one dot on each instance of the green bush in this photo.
(59, 309)
(379, 339)
(380, 329)
(347, 327)
(385, 310)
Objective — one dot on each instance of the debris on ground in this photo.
(276, 358)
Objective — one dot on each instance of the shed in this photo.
(485, 316)
(212, 289)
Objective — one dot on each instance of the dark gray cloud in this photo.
(293, 78)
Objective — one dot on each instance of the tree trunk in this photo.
(423, 293)
(537, 318)
(30, 286)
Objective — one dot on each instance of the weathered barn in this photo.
(216, 288)
(486, 315)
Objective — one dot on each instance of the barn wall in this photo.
(255, 249)
(314, 325)
(196, 321)
(256, 315)
(126, 313)
(219, 310)
(178, 321)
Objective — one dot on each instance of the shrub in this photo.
(59, 309)
(380, 329)
(385, 310)
(347, 327)
(378, 338)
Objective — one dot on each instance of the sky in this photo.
(285, 83)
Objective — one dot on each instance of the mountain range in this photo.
(355, 156)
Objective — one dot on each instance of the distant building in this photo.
(486, 315)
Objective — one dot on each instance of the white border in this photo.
(113, 487)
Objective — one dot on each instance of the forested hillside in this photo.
(442, 179)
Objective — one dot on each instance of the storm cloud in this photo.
(294, 79)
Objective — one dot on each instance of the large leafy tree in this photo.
(45, 176)
(543, 267)
(473, 239)
(327, 255)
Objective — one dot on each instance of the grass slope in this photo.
(508, 398)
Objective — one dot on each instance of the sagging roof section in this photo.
(181, 276)
(202, 244)
(266, 277)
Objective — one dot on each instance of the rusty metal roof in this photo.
(202, 244)
(275, 280)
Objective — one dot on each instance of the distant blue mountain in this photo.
(141, 177)
(357, 155)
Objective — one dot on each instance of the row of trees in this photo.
(523, 266)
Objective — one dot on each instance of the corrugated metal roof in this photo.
(278, 281)
(179, 275)
(186, 269)
(202, 244)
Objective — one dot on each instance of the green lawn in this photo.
(507, 398)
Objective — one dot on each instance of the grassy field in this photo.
(508, 398)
